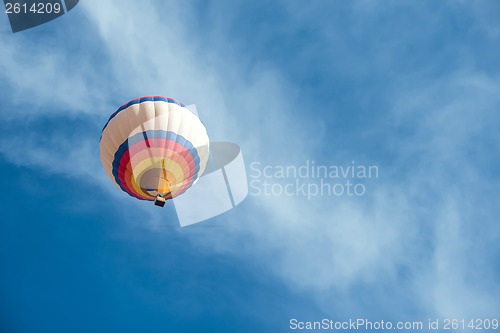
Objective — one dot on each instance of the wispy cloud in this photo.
(416, 235)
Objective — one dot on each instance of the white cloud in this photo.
(422, 220)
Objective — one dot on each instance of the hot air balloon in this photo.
(154, 148)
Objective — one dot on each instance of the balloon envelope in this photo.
(154, 145)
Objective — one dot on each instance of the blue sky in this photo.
(412, 87)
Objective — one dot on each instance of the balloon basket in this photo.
(160, 201)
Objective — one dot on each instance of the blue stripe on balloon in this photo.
(154, 134)
(144, 99)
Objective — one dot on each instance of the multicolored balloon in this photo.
(154, 147)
